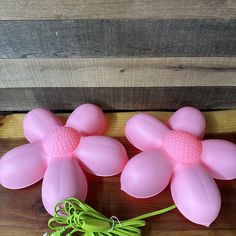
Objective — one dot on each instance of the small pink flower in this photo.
(180, 156)
(58, 152)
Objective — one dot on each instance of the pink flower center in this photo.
(61, 141)
(182, 146)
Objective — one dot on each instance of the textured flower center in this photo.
(61, 141)
(182, 146)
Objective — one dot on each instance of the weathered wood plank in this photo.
(140, 98)
(118, 72)
(217, 122)
(117, 38)
(115, 9)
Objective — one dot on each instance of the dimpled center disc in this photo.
(61, 141)
(182, 146)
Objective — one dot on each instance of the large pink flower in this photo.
(58, 152)
(178, 155)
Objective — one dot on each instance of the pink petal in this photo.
(38, 122)
(102, 156)
(220, 158)
(145, 132)
(87, 119)
(188, 119)
(63, 178)
(146, 174)
(195, 194)
(22, 166)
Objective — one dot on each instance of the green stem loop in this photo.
(73, 216)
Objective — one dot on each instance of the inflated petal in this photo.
(190, 120)
(195, 194)
(22, 166)
(145, 132)
(102, 156)
(220, 158)
(63, 178)
(146, 174)
(87, 119)
(38, 122)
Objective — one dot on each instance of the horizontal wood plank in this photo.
(139, 98)
(118, 72)
(117, 38)
(217, 122)
(115, 9)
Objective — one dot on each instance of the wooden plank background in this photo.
(92, 51)
(118, 72)
(117, 38)
(22, 212)
(218, 123)
(135, 98)
(116, 9)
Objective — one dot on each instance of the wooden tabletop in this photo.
(22, 212)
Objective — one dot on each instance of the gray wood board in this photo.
(164, 98)
(117, 38)
(118, 72)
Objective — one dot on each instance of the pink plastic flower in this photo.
(180, 156)
(58, 152)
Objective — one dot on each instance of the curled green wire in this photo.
(73, 216)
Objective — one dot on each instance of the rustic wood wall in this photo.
(120, 54)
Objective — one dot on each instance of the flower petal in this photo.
(145, 132)
(188, 119)
(22, 166)
(146, 174)
(195, 194)
(220, 158)
(63, 178)
(102, 156)
(38, 122)
(87, 119)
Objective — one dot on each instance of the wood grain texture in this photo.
(118, 72)
(140, 98)
(117, 38)
(113, 9)
(217, 123)
(22, 212)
